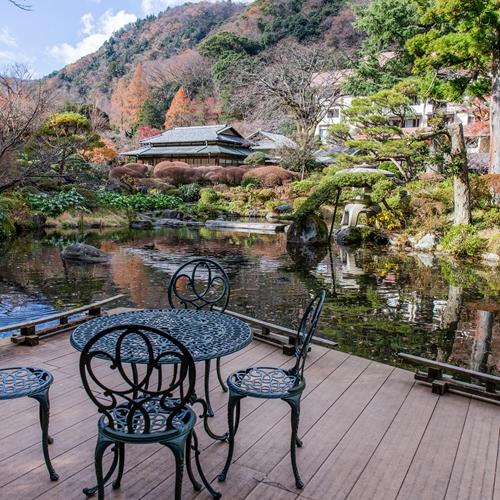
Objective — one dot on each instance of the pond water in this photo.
(379, 302)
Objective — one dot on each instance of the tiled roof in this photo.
(209, 133)
(187, 150)
(269, 140)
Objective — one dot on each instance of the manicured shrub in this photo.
(135, 170)
(271, 176)
(190, 192)
(463, 240)
(250, 182)
(209, 196)
(255, 159)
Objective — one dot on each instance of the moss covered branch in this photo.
(329, 186)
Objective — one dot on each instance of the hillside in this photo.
(155, 39)
(150, 39)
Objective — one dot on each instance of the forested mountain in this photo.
(153, 40)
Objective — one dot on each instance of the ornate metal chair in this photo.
(139, 402)
(201, 284)
(275, 383)
(20, 381)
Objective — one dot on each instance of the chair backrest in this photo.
(199, 283)
(123, 372)
(306, 331)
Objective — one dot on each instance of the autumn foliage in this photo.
(178, 115)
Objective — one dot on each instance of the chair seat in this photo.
(264, 382)
(20, 381)
(158, 417)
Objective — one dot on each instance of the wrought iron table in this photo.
(208, 335)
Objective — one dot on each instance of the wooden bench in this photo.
(442, 382)
(285, 337)
(30, 336)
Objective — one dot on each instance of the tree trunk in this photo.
(461, 177)
(481, 345)
(494, 167)
(434, 148)
(451, 317)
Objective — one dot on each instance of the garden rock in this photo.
(427, 242)
(310, 230)
(284, 208)
(85, 253)
(271, 216)
(170, 214)
(38, 219)
(141, 224)
(347, 235)
(252, 213)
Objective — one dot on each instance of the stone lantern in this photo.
(359, 206)
(352, 211)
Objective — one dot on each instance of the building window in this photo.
(323, 132)
(412, 123)
(333, 113)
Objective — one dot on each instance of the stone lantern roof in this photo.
(365, 168)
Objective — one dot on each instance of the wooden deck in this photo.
(369, 431)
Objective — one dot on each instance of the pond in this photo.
(380, 302)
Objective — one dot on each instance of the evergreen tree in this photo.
(458, 54)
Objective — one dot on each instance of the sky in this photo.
(56, 33)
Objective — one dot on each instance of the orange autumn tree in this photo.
(118, 111)
(137, 93)
(104, 154)
(179, 113)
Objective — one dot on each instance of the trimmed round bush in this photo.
(271, 176)
(135, 170)
(255, 159)
(175, 172)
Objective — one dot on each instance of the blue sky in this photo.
(58, 32)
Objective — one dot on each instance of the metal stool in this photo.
(20, 381)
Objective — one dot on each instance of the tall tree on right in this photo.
(458, 54)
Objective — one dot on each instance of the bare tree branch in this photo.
(21, 6)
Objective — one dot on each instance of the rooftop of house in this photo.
(207, 133)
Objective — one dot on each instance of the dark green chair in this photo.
(20, 381)
(140, 402)
(275, 383)
(199, 284)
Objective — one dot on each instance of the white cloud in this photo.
(97, 33)
(155, 6)
(9, 57)
(6, 38)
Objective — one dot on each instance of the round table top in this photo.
(207, 334)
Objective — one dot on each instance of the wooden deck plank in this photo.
(340, 471)
(322, 438)
(387, 467)
(369, 432)
(266, 452)
(429, 473)
(473, 475)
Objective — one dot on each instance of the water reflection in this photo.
(378, 303)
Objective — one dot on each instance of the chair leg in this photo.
(221, 382)
(178, 449)
(234, 402)
(210, 412)
(215, 494)
(121, 465)
(189, 447)
(102, 444)
(44, 414)
(294, 403)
